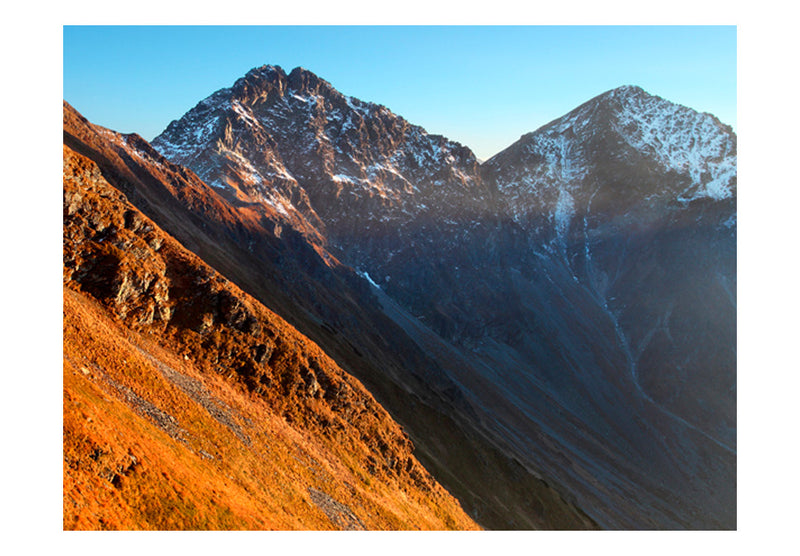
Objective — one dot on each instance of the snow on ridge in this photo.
(245, 171)
(278, 203)
(279, 170)
(246, 168)
(213, 101)
(181, 145)
(135, 151)
(244, 114)
(218, 184)
(362, 108)
(376, 167)
(345, 178)
(557, 164)
(123, 140)
(372, 181)
(682, 140)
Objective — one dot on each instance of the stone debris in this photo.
(160, 418)
(339, 514)
(195, 390)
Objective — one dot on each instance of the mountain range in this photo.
(546, 339)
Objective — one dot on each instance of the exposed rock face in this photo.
(113, 255)
(572, 299)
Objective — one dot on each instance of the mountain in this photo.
(189, 405)
(337, 164)
(636, 198)
(628, 209)
(555, 328)
(335, 308)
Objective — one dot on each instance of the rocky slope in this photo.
(188, 405)
(291, 272)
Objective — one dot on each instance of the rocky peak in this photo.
(304, 81)
(619, 96)
(259, 84)
(626, 127)
(266, 71)
(275, 137)
(628, 90)
(268, 83)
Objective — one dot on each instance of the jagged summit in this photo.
(628, 89)
(267, 69)
(302, 79)
(257, 84)
(321, 160)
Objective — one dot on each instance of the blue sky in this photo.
(481, 86)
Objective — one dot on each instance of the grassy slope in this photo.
(156, 437)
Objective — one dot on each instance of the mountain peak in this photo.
(627, 90)
(305, 81)
(301, 72)
(261, 82)
(266, 70)
(618, 99)
(632, 123)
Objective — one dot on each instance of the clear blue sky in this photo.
(481, 86)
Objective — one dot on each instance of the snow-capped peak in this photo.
(681, 140)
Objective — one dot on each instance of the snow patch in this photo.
(565, 210)
(244, 113)
(367, 277)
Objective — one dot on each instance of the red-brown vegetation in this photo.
(189, 405)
